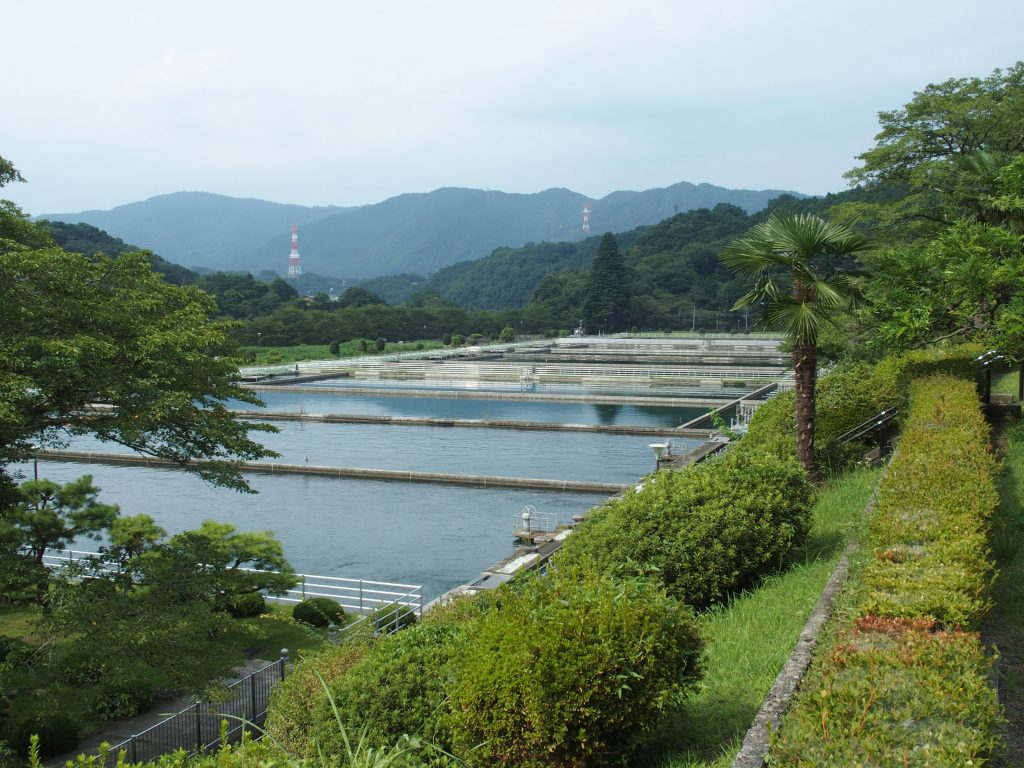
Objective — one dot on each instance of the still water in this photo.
(457, 450)
(553, 411)
(437, 536)
(434, 535)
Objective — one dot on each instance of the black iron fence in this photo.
(243, 706)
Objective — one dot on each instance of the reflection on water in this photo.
(437, 536)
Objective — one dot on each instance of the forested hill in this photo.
(417, 233)
(89, 240)
(677, 256)
(509, 276)
(199, 229)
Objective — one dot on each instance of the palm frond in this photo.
(800, 321)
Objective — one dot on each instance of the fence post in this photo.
(361, 597)
(303, 586)
(199, 726)
(135, 750)
(252, 691)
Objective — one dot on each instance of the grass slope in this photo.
(750, 638)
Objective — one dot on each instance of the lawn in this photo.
(1004, 627)
(750, 638)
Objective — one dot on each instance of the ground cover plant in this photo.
(906, 682)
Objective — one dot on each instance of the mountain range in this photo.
(414, 232)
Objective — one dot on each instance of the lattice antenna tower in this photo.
(586, 218)
(294, 262)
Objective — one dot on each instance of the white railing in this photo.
(354, 595)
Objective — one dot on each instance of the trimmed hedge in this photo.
(573, 670)
(929, 532)
(905, 685)
(702, 533)
(895, 694)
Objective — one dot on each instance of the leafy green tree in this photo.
(231, 556)
(131, 536)
(607, 294)
(104, 346)
(52, 515)
(118, 635)
(927, 146)
(800, 268)
(358, 297)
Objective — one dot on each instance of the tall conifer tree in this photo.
(607, 298)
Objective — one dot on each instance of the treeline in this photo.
(660, 277)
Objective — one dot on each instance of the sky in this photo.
(335, 102)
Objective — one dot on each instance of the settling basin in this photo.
(440, 536)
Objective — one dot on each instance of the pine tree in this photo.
(607, 296)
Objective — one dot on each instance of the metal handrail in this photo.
(879, 421)
(358, 595)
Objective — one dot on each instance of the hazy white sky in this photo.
(340, 102)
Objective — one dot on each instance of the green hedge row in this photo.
(703, 533)
(906, 685)
(929, 532)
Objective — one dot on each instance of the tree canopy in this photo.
(103, 346)
(938, 145)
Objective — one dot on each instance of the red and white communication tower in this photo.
(294, 263)
(586, 218)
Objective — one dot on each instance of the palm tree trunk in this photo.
(805, 372)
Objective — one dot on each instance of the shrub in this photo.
(380, 344)
(456, 340)
(292, 711)
(247, 604)
(702, 533)
(397, 689)
(363, 345)
(575, 669)
(508, 333)
(57, 733)
(318, 611)
(122, 697)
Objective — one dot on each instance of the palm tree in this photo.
(799, 264)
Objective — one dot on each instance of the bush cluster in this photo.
(572, 669)
(702, 533)
(576, 670)
(906, 685)
(318, 611)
